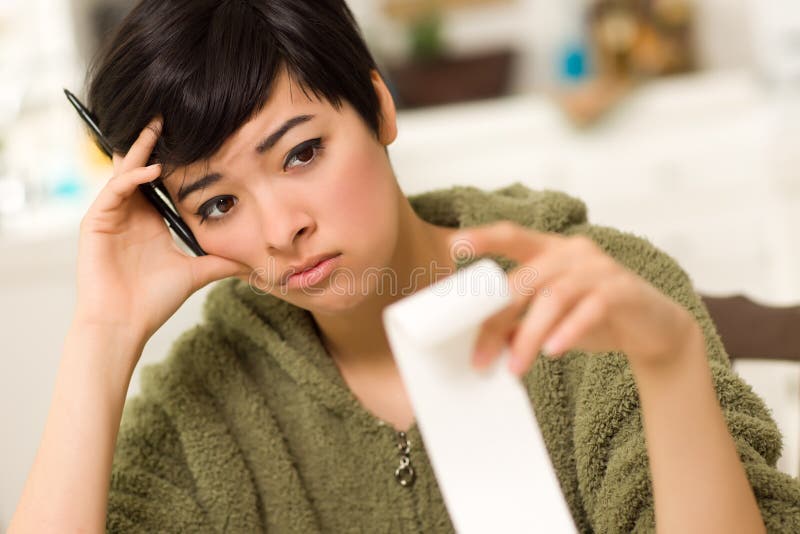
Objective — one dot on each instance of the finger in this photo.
(207, 269)
(533, 276)
(543, 315)
(577, 324)
(564, 276)
(526, 282)
(116, 160)
(140, 151)
(495, 332)
(505, 238)
(120, 188)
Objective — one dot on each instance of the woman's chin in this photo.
(328, 300)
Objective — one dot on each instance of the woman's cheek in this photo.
(364, 192)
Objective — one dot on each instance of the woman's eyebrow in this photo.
(202, 183)
(270, 141)
(274, 137)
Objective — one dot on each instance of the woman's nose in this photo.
(284, 226)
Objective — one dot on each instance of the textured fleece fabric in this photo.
(247, 425)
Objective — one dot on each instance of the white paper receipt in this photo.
(479, 427)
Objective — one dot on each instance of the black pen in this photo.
(157, 196)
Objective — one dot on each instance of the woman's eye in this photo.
(216, 208)
(303, 154)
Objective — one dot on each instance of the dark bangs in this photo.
(208, 67)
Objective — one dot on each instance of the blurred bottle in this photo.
(559, 42)
(572, 50)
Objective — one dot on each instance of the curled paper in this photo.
(479, 428)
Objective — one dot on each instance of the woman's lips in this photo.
(314, 275)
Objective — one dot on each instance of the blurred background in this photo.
(678, 120)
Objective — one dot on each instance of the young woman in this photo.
(284, 410)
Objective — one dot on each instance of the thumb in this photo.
(207, 269)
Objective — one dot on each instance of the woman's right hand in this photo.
(132, 276)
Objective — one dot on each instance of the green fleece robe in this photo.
(248, 426)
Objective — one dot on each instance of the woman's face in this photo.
(321, 185)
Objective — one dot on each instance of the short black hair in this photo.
(207, 66)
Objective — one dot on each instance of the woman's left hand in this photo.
(569, 294)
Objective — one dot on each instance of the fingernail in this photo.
(155, 125)
(551, 346)
(516, 366)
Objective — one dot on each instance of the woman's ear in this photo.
(388, 125)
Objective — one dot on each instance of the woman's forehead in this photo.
(288, 107)
(287, 101)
